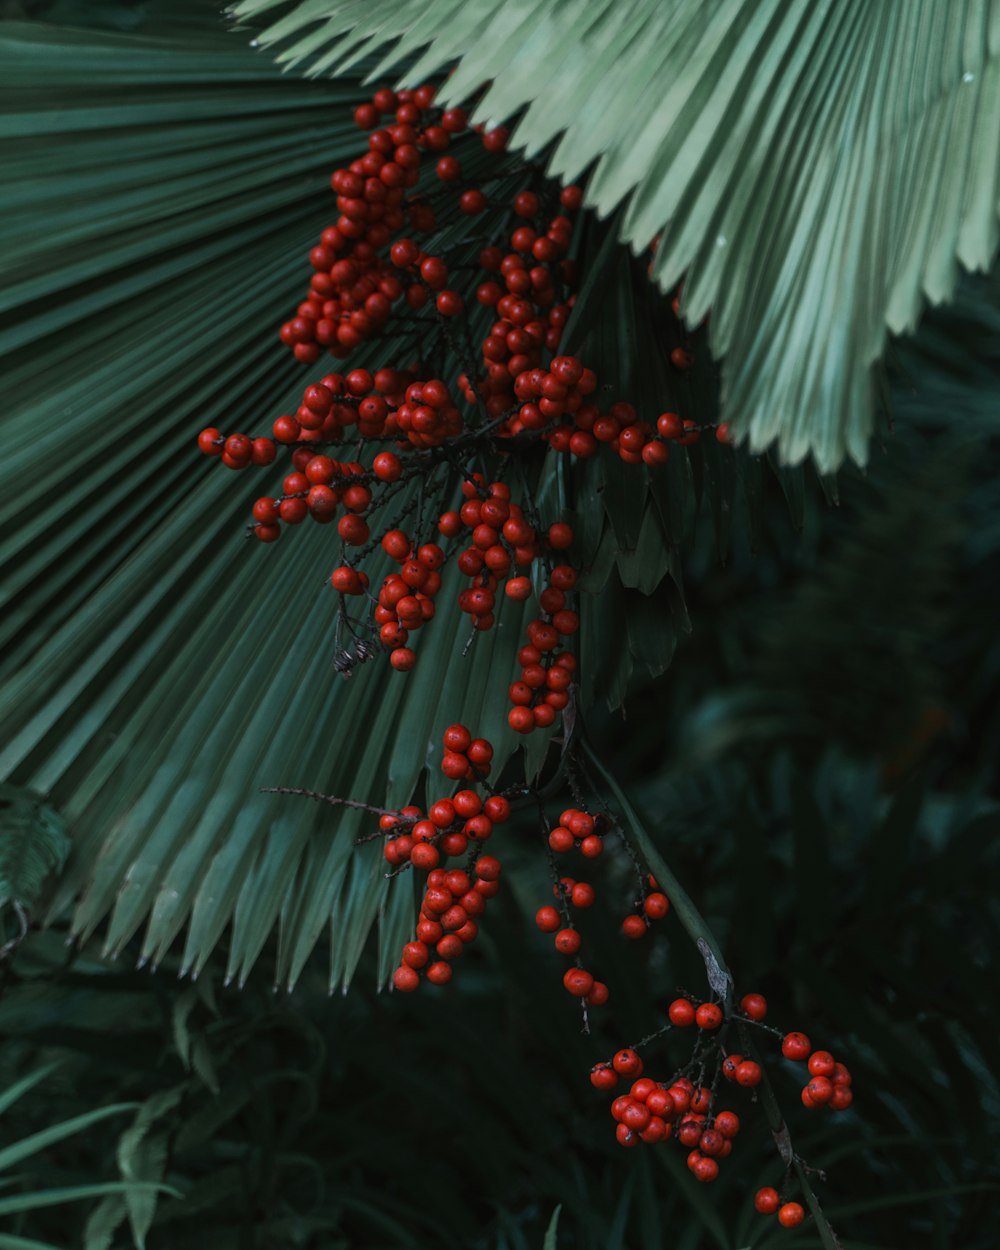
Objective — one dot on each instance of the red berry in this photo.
(405, 978)
(439, 973)
(567, 941)
(748, 1073)
(449, 303)
(705, 1170)
(708, 1016)
(547, 919)
(457, 738)
(582, 895)
(387, 467)
(766, 1200)
(495, 140)
(415, 954)
(840, 1076)
(592, 846)
(404, 253)
(820, 1091)
(526, 204)
(210, 441)
(656, 906)
(627, 1063)
(599, 995)
(728, 1123)
(472, 202)
(681, 1013)
(603, 1076)
(626, 1136)
(791, 1215)
(634, 927)
(796, 1046)
(754, 1006)
(579, 982)
(561, 840)
(821, 1063)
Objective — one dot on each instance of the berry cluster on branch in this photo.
(430, 461)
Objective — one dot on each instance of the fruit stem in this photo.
(691, 919)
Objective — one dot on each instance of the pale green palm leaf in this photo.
(815, 170)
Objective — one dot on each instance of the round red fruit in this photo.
(796, 1046)
(766, 1200)
(791, 1215)
(681, 1013)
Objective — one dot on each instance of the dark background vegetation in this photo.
(818, 765)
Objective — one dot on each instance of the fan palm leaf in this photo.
(815, 171)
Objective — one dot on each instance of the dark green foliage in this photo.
(33, 844)
(818, 764)
(863, 903)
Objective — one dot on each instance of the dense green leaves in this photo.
(157, 671)
(33, 844)
(25, 1150)
(813, 171)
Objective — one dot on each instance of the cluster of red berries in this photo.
(408, 424)
(515, 393)
(446, 923)
(768, 1202)
(500, 540)
(453, 897)
(829, 1083)
(686, 1110)
(576, 830)
(656, 1111)
(465, 758)
(567, 939)
(405, 599)
(355, 288)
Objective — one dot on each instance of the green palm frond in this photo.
(157, 670)
(816, 170)
(155, 673)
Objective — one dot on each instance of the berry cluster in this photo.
(355, 288)
(453, 897)
(439, 450)
(768, 1202)
(830, 1082)
(685, 1108)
